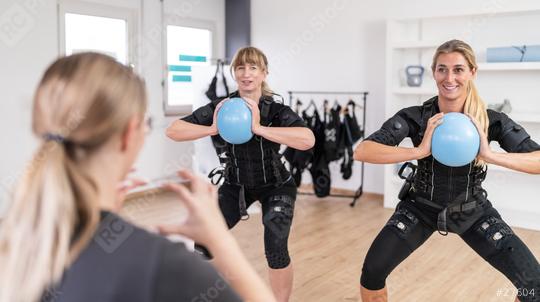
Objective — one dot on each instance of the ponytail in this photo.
(475, 106)
(54, 210)
(266, 89)
(36, 234)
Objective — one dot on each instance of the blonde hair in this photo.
(474, 105)
(252, 55)
(81, 102)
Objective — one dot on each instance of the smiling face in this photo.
(249, 77)
(250, 68)
(452, 74)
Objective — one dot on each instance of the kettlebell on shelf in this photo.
(414, 75)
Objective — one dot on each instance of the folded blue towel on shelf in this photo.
(524, 53)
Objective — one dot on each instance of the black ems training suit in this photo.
(450, 199)
(125, 263)
(254, 171)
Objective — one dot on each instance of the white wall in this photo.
(27, 46)
(340, 45)
(311, 45)
(31, 44)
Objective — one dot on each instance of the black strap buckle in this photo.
(409, 176)
(216, 175)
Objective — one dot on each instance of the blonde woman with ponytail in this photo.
(450, 199)
(61, 239)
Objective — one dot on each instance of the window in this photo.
(186, 47)
(94, 27)
(91, 33)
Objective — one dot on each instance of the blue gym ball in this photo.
(456, 141)
(234, 121)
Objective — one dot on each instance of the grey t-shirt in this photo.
(126, 263)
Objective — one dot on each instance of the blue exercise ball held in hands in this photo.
(234, 121)
(456, 141)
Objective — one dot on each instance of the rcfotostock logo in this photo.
(112, 232)
(212, 293)
(15, 24)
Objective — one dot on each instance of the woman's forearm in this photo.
(299, 138)
(524, 162)
(184, 131)
(376, 153)
(234, 267)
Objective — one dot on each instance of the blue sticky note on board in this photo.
(179, 68)
(188, 58)
(181, 78)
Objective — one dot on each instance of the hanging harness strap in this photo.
(427, 112)
(266, 119)
(242, 203)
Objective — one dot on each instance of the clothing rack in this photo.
(364, 94)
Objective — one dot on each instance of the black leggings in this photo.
(411, 225)
(278, 211)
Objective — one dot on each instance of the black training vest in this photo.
(257, 162)
(440, 183)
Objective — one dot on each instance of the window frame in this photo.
(130, 15)
(172, 20)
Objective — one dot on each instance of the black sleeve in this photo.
(511, 136)
(184, 276)
(394, 130)
(202, 116)
(288, 118)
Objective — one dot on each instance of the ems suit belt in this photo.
(455, 217)
(451, 212)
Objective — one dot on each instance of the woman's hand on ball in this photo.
(424, 149)
(485, 151)
(213, 127)
(255, 115)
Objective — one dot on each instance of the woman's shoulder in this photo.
(114, 232)
(412, 112)
(415, 112)
(495, 116)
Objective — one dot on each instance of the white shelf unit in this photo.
(415, 91)
(517, 66)
(413, 41)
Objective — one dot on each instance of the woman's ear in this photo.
(130, 133)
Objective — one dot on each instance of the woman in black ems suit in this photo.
(254, 170)
(450, 199)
